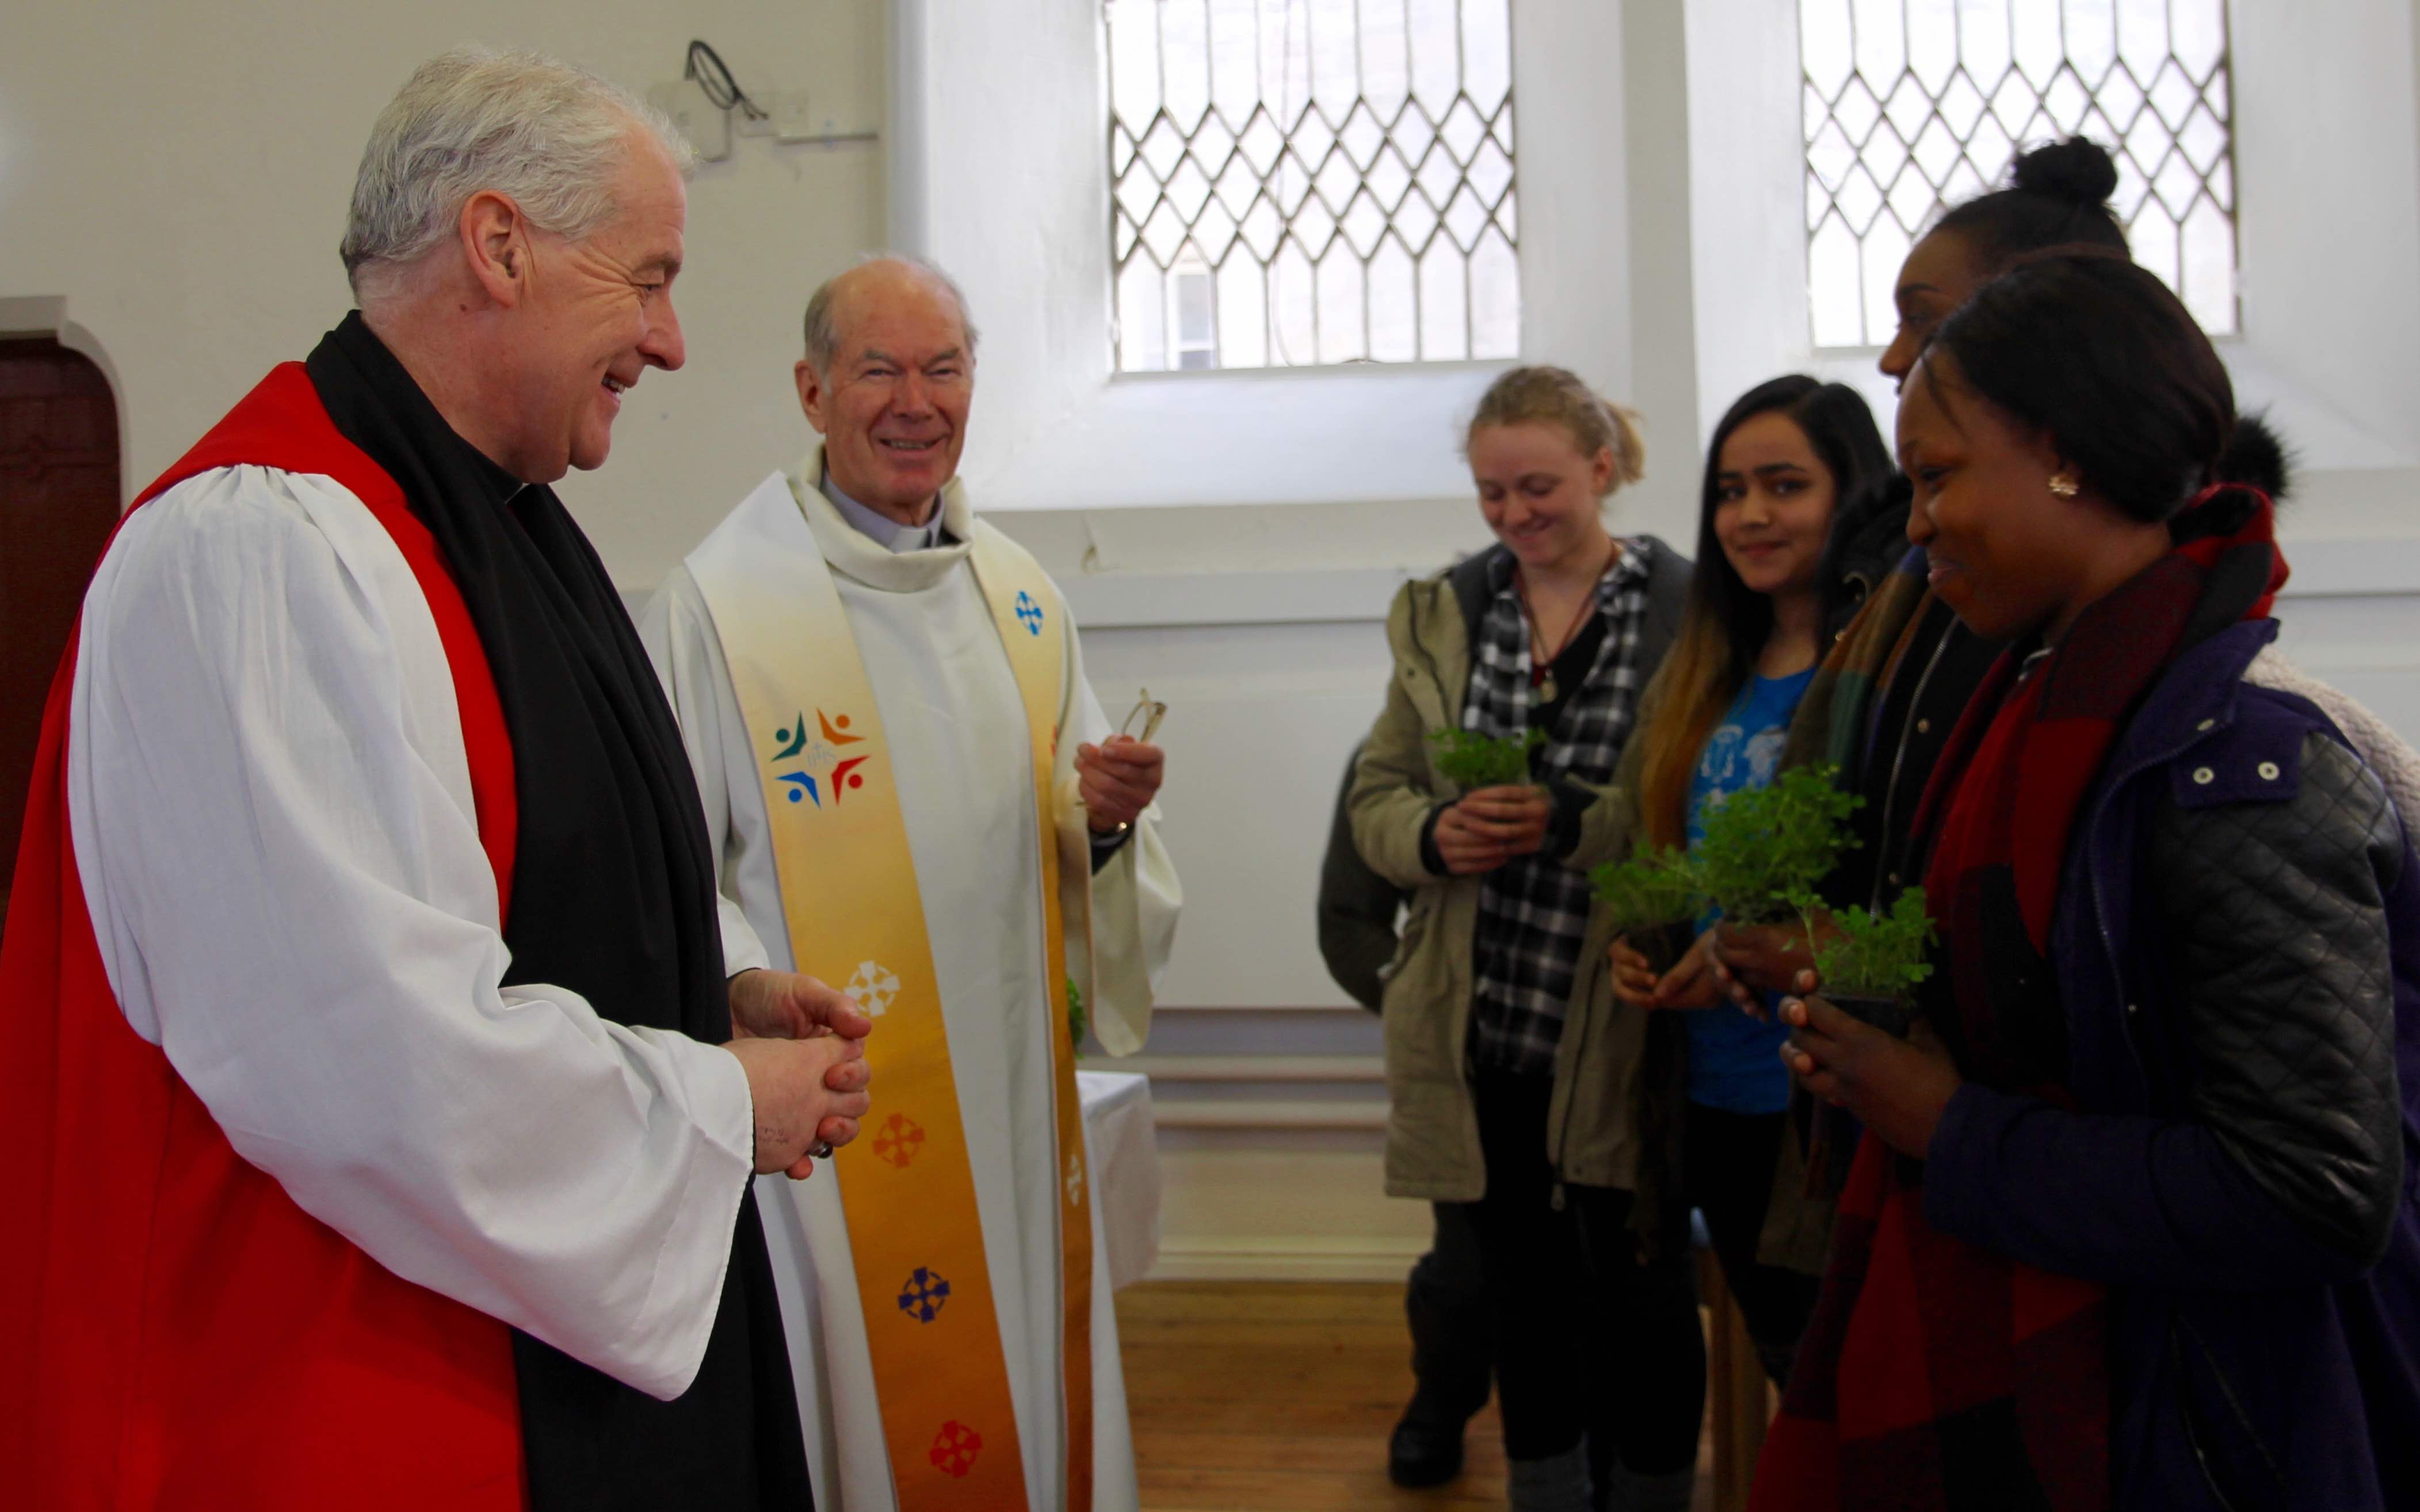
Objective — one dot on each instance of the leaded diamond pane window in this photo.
(1299, 182)
(1912, 105)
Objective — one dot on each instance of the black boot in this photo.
(1423, 1451)
(1447, 1308)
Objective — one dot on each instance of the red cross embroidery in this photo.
(955, 1449)
(900, 1138)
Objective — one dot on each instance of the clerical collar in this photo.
(881, 529)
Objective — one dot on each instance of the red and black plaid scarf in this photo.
(1935, 1374)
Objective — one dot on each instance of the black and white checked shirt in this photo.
(1533, 911)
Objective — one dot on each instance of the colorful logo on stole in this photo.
(821, 767)
(1028, 614)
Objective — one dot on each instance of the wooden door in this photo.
(59, 502)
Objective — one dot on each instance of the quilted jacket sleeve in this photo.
(2276, 932)
(2288, 1167)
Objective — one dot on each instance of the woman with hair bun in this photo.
(2056, 195)
(1496, 1100)
(2131, 1225)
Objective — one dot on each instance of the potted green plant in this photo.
(1656, 903)
(1473, 760)
(1872, 964)
(1765, 849)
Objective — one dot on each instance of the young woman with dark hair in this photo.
(2133, 1224)
(1712, 723)
(1783, 458)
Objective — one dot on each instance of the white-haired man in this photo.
(374, 1138)
(911, 784)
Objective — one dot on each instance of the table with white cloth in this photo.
(1121, 1144)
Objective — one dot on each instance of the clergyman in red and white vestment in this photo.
(370, 1140)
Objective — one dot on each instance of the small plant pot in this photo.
(1663, 945)
(1888, 1014)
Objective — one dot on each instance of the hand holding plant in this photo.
(1485, 829)
(1679, 975)
(1751, 960)
(1897, 1086)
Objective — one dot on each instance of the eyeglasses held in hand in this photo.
(1150, 711)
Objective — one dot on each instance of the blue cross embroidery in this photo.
(921, 1298)
(1029, 611)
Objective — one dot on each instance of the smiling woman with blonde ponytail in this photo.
(1546, 637)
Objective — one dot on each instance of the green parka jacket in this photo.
(1431, 1128)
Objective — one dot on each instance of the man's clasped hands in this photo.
(803, 1043)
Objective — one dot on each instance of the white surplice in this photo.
(954, 726)
(272, 810)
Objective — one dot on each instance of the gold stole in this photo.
(857, 920)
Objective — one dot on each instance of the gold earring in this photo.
(2063, 485)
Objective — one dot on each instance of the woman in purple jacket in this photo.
(2136, 1227)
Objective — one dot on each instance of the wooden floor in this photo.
(1265, 1397)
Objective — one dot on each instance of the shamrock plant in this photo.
(1474, 760)
(1878, 956)
(1650, 889)
(1765, 849)
(1654, 900)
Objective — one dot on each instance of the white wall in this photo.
(177, 175)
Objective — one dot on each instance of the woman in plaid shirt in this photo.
(1553, 631)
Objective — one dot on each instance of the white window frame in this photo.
(1969, 173)
(2326, 241)
(1005, 184)
(1189, 275)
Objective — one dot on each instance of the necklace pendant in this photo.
(1547, 688)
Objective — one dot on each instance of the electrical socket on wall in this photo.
(791, 120)
(706, 125)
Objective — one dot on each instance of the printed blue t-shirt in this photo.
(1735, 1060)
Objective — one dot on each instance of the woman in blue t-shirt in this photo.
(1713, 724)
